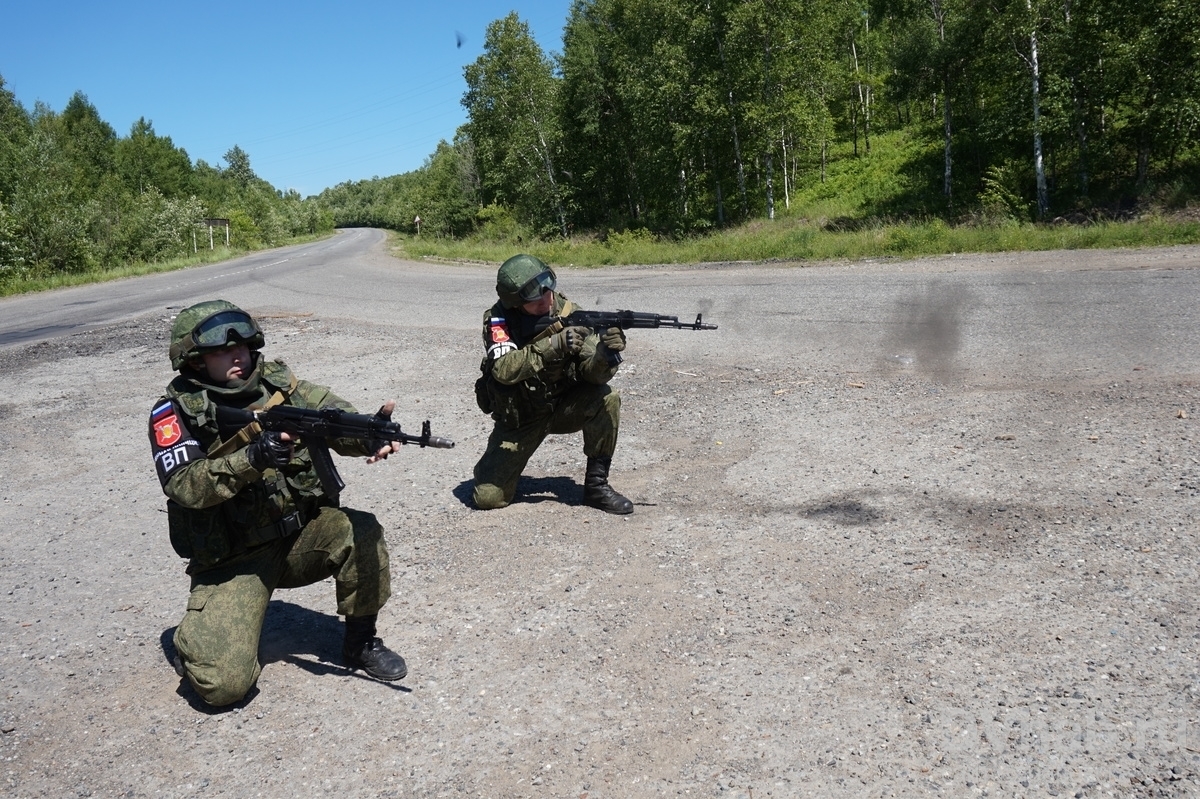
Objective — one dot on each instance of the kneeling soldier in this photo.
(250, 514)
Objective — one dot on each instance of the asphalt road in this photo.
(1082, 310)
(42, 316)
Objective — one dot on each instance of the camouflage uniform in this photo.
(529, 400)
(247, 532)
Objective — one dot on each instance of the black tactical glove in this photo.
(270, 450)
(376, 444)
(556, 349)
(574, 336)
(613, 339)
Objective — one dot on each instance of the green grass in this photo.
(868, 207)
(21, 282)
(798, 239)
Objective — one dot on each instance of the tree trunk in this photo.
(737, 145)
(939, 16)
(854, 121)
(1143, 161)
(737, 158)
(770, 186)
(548, 165)
(946, 184)
(864, 105)
(1082, 135)
(1081, 132)
(720, 205)
(1043, 200)
(683, 189)
(787, 200)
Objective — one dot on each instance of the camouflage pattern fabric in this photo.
(217, 640)
(183, 428)
(594, 410)
(229, 518)
(530, 400)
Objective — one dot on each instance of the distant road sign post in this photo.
(417, 222)
(216, 222)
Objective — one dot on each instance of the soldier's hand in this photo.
(380, 448)
(270, 450)
(574, 337)
(555, 349)
(613, 339)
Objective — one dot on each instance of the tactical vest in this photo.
(533, 398)
(277, 505)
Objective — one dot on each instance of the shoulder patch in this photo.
(171, 442)
(498, 330)
(167, 429)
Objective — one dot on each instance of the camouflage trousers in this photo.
(594, 410)
(217, 640)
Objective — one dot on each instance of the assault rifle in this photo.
(603, 320)
(316, 428)
(600, 321)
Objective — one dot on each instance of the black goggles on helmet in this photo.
(218, 329)
(532, 291)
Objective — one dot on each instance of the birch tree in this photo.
(512, 103)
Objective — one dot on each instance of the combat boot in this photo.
(597, 493)
(363, 650)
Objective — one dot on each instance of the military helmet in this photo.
(522, 279)
(211, 325)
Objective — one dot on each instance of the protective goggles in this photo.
(532, 291)
(218, 329)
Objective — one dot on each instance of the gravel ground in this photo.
(962, 562)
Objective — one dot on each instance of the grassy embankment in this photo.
(846, 217)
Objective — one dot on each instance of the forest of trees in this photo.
(75, 196)
(681, 115)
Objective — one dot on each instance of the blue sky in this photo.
(316, 92)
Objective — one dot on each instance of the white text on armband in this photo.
(503, 348)
(180, 455)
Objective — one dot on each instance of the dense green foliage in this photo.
(440, 193)
(829, 227)
(75, 197)
(663, 119)
(683, 116)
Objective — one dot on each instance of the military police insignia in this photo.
(502, 343)
(166, 425)
(171, 441)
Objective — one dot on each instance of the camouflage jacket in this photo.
(517, 386)
(221, 506)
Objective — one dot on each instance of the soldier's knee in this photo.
(220, 687)
(365, 528)
(488, 496)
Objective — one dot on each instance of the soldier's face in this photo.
(540, 306)
(231, 363)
